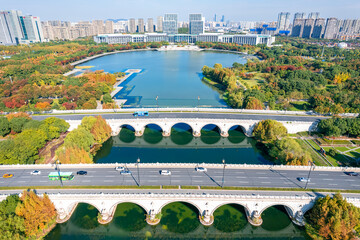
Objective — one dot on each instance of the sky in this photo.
(234, 10)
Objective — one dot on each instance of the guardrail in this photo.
(180, 165)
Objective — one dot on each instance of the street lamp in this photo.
(57, 162)
(198, 103)
(312, 166)
(137, 164)
(223, 161)
(157, 104)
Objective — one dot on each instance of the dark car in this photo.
(354, 174)
(81, 172)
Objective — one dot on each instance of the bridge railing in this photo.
(179, 165)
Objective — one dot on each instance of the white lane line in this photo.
(323, 174)
(239, 173)
(197, 181)
(265, 182)
(240, 177)
(108, 180)
(175, 180)
(332, 184)
(151, 180)
(86, 181)
(353, 185)
(263, 177)
(328, 179)
(43, 181)
(242, 182)
(21, 181)
(110, 176)
(350, 180)
(261, 173)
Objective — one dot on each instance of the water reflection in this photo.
(181, 134)
(152, 134)
(210, 134)
(179, 221)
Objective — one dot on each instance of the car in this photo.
(303, 179)
(354, 174)
(200, 169)
(125, 172)
(36, 172)
(119, 168)
(140, 113)
(81, 172)
(8, 175)
(165, 172)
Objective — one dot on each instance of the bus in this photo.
(63, 175)
(140, 113)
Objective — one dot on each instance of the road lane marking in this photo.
(240, 177)
(332, 184)
(328, 179)
(85, 181)
(108, 180)
(263, 177)
(261, 173)
(242, 182)
(265, 182)
(350, 180)
(355, 185)
(151, 180)
(323, 174)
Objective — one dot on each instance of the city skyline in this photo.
(244, 10)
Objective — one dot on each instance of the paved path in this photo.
(185, 176)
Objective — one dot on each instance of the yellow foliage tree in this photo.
(70, 155)
(341, 77)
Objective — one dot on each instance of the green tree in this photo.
(4, 126)
(11, 225)
(332, 218)
(17, 124)
(107, 98)
(288, 151)
(269, 130)
(80, 138)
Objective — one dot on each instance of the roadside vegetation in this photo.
(26, 217)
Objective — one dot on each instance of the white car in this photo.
(35, 172)
(200, 169)
(302, 179)
(125, 172)
(119, 168)
(165, 172)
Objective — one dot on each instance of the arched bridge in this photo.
(196, 125)
(206, 203)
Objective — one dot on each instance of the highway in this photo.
(239, 116)
(187, 176)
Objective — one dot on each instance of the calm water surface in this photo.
(173, 76)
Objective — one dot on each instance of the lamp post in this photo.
(157, 104)
(312, 166)
(198, 104)
(223, 161)
(57, 162)
(137, 164)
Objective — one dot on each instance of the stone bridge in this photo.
(206, 203)
(196, 124)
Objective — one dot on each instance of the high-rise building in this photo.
(132, 25)
(159, 24)
(141, 25)
(308, 28)
(215, 18)
(314, 15)
(299, 15)
(298, 27)
(223, 18)
(196, 24)
(283, 21)
(109, 27)
(31, 27)
(10, 29)
(332, 28)
(150, 25)
(98, 26)
(170, 24)
(319, 28)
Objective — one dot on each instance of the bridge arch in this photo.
(181, 201)
(210, 136)
(114, 206)
(289, 209)
(127, 136)
(182, 138)
(230, 203)
(233, 127)
(154, 124)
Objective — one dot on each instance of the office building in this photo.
(298, 27)
(196, 24)
(32, 30)
(283, 21)
(319, 28)
(308, 28)
(332, 28)
(170, 24)
(10, 29)
(150, 25)
(109, 27)
(98, 26)
(159, 24)
(250, 39)
(132, 25)
(141, 25)
(299, 15)
(314, 15)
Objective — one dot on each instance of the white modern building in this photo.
(283, 21)
(250, 39)
(32, 29)
(10, 29)
(196, 23)
(170, 23)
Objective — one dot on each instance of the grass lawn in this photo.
(357, 150)
(256, 80)
(315, 156)
(342, 149)
(354, 154)
(339, 158)
(357, 142)
(299, 106)
(333, 142)
(304, 134)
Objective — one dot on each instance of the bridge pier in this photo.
(254, 218)
(196, 133)
(224, 134)
(166, 133)
(152, 218)
(206, 218)
(139, 133)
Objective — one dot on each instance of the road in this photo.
(238, 116)
(189, 177)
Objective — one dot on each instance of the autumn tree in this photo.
(38, 212)
(4, 126)
(253, 103)
(71, 155)
(11, 225)
(98, 127)
(80, 138)
(341, 77)
(288, 151)
(269, 130)
(332, 218)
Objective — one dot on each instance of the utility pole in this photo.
(137, 163)
(308, 178)
(223, 178)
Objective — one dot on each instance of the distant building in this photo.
(170, 24)
(196, 24)
(150, 25)
(332, 28)
(132, 25)
(250, 39)
(10, 29)
(298, 27)
(159, 24)
(31, 27)
(319, 28)
(98, 26)
(283, 21)
(109, 27)
(308, 28)
(299, 15)
(314, 15)
(141, 25)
